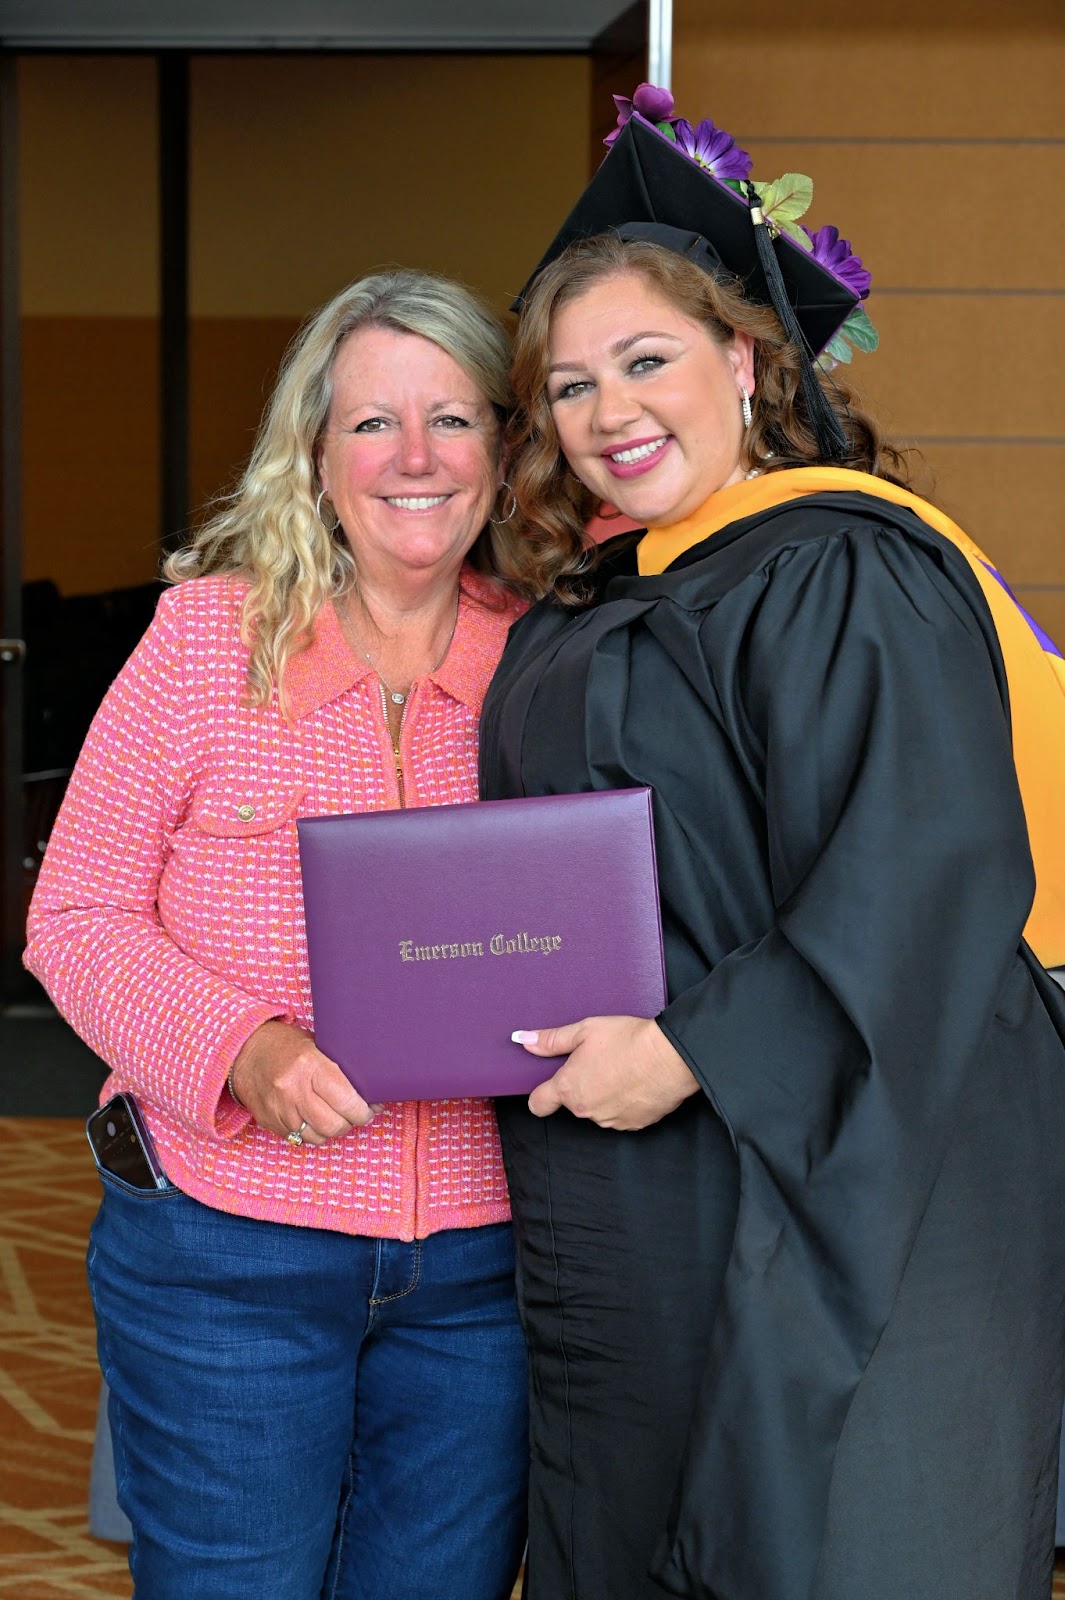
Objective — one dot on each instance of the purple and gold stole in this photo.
(1035, 669)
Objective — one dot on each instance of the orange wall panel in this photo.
(1008, 497)
(307, 171)
(88, 188)
(965, 69)
(304, 172)
(936, 142)
(90, 451)
(967, 364)
(232, 366)
(931, 214)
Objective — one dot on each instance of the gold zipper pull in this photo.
(396, 756)
(399, 772)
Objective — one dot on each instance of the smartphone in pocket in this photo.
(121, 1144)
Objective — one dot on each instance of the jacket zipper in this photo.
(396, 756)
(398, 759)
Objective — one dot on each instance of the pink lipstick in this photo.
(643, 463)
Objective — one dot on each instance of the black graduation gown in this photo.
(803, 1339)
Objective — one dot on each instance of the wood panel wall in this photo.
(936, 141)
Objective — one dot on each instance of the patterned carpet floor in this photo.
(49, 1381)
(48, 1377)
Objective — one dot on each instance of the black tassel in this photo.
(831, 440)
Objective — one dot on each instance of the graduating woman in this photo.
(791, 1263)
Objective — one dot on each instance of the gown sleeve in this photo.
(863, 701)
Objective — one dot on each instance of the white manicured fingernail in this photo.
(524, 1038)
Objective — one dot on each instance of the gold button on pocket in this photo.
(235, 806)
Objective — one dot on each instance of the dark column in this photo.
(173, 296)
(619, 63)
(12, 843)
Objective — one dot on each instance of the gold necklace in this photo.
(397, 698)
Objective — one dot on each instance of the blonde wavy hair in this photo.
(554, 506)
(270, 529)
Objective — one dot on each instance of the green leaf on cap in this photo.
(787, 199)
(794, 230)
(838, 348)
(667, 129)
(860, 331)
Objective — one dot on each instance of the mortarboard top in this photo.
(647, 182)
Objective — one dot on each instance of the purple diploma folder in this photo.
(434, 933)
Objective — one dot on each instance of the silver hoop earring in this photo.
(500, 522)
(745, 406)
(318, 511)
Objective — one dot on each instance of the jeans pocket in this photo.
(120, 1186)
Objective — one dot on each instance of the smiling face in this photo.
(409, 457)
(646, 403)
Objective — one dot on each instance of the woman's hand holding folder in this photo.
(290, 1087)
(620, 1072)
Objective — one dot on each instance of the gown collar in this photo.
(661, 546)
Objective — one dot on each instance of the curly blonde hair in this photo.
(554, 506)
(270, 530)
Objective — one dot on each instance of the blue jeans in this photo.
(301, 1414)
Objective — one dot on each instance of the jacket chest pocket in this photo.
(230, 811)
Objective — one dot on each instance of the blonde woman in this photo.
(315, 1364)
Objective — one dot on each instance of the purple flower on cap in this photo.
(651, 102)
(712, 148)
(836, 255)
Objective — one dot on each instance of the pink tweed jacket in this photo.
(167, 923)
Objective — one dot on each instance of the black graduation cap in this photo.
(647, 188)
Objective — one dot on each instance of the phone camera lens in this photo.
(111, 1130)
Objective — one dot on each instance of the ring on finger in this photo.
(296, 1136)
